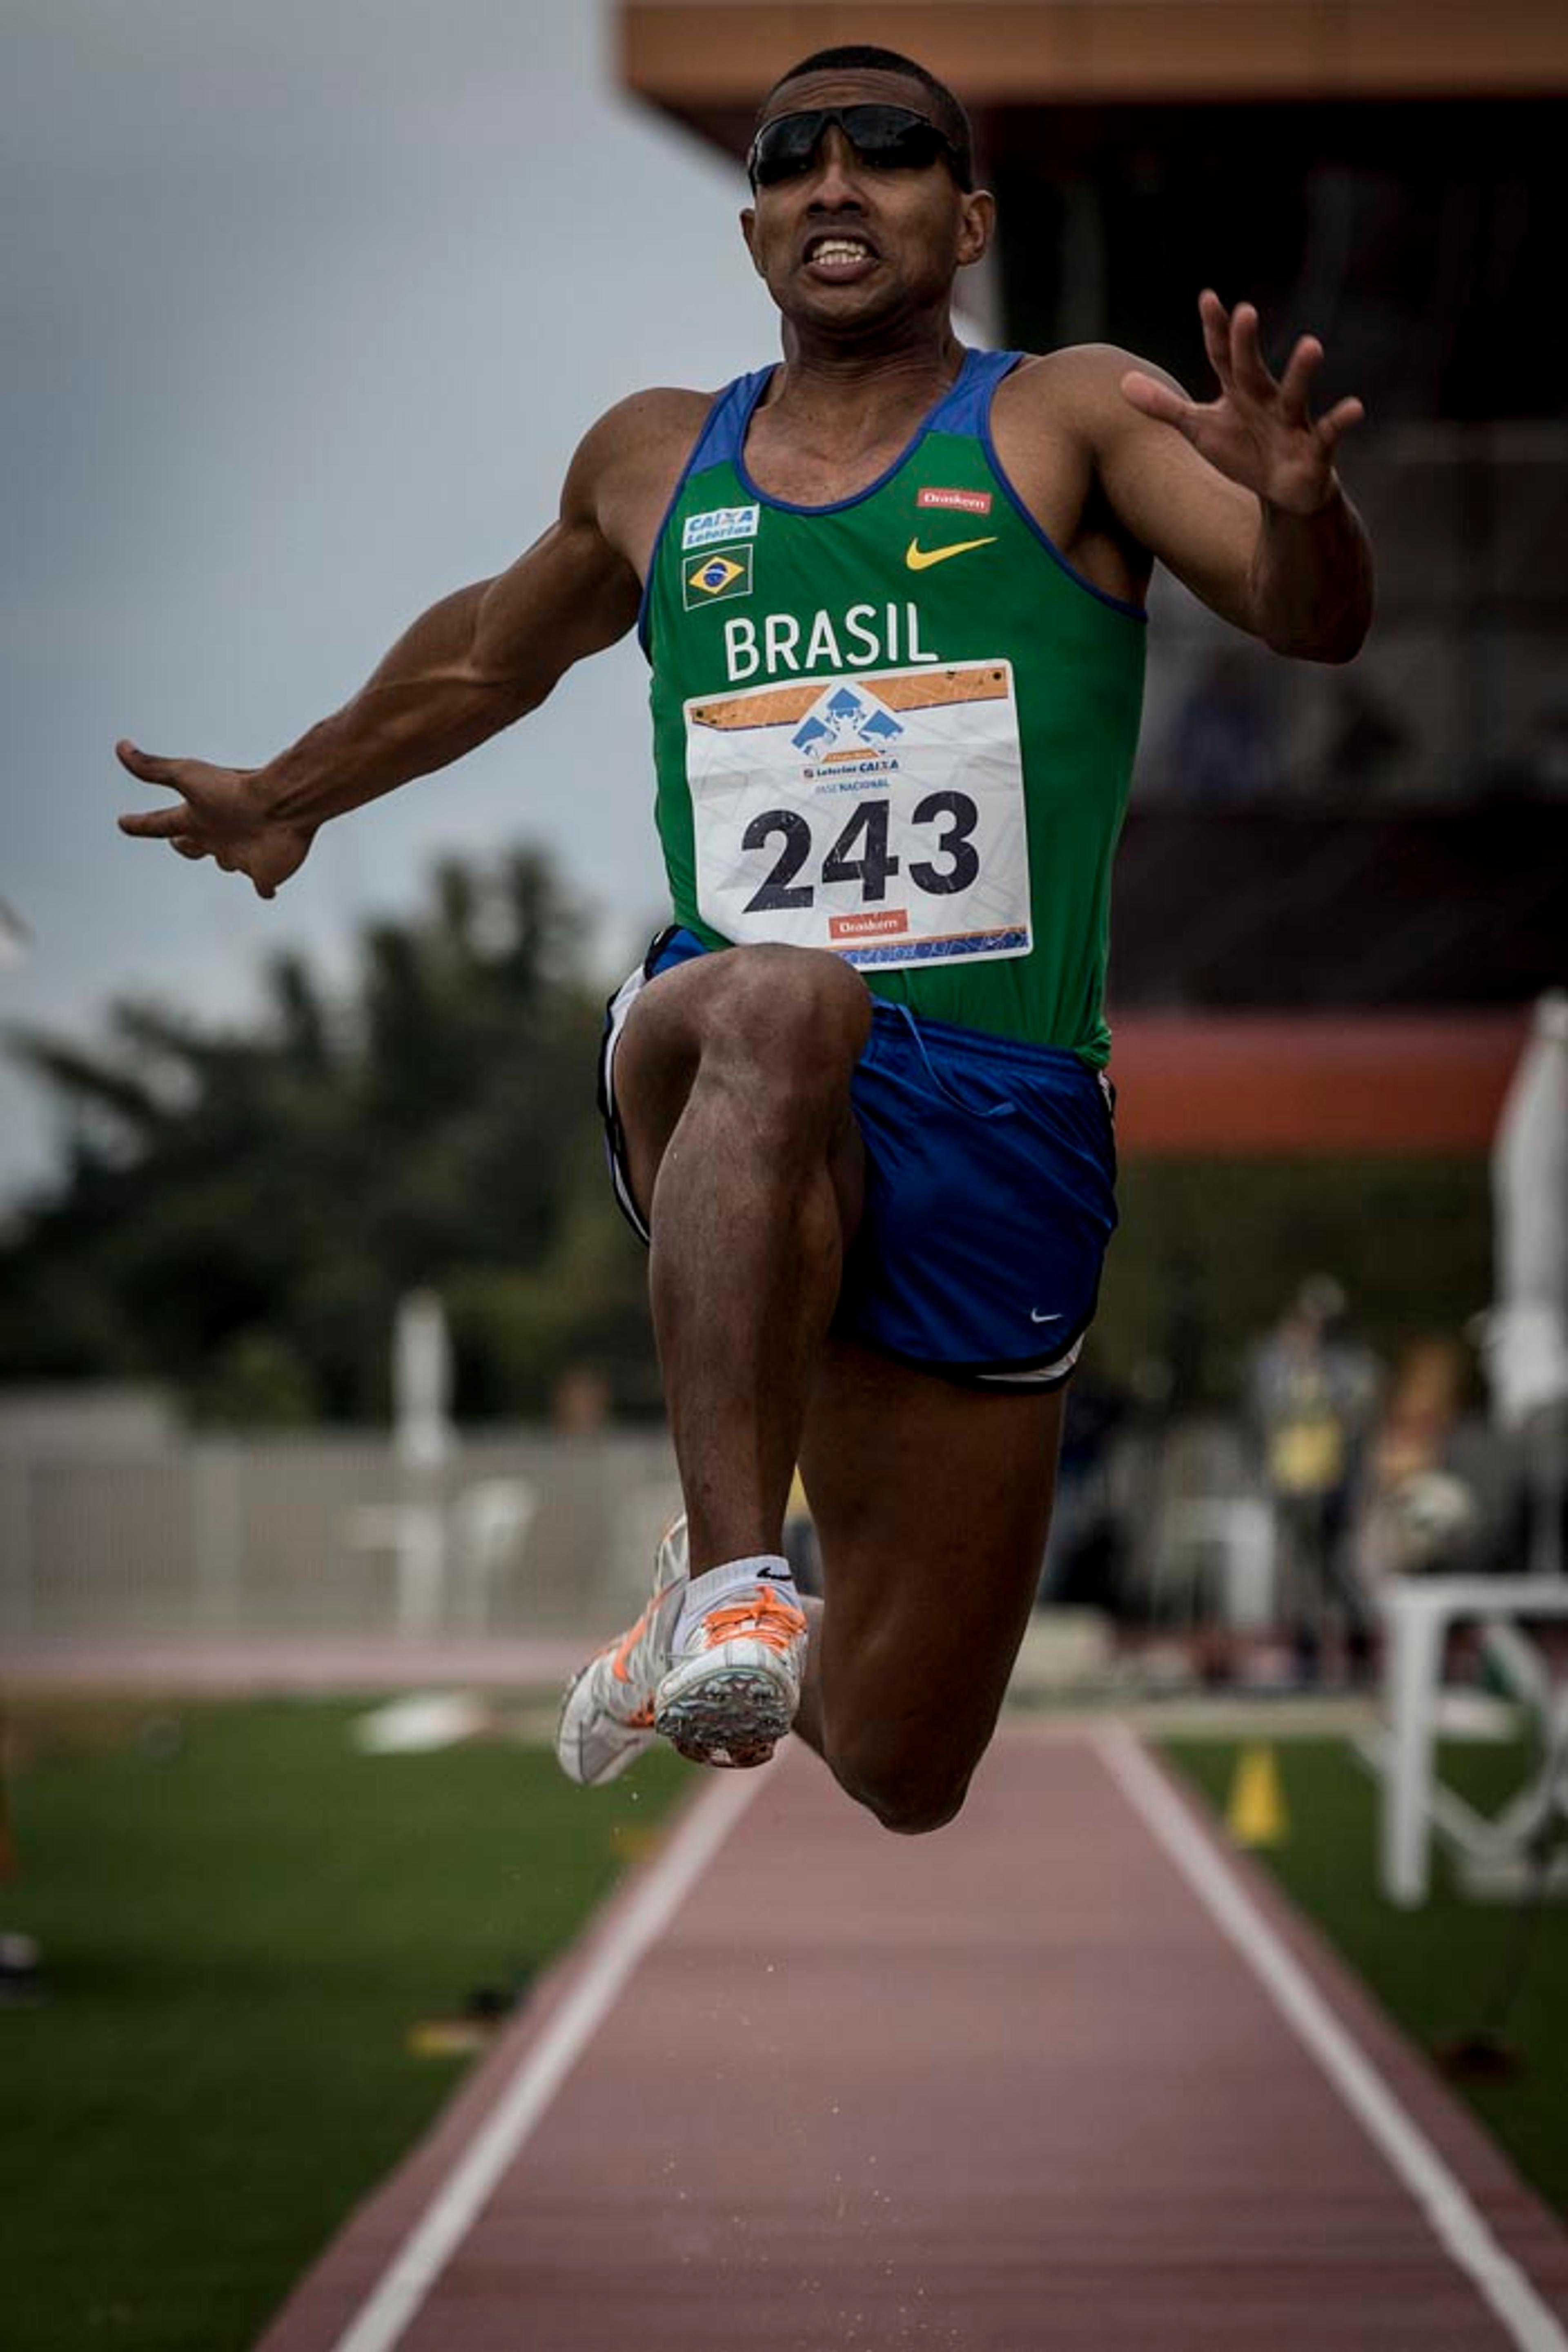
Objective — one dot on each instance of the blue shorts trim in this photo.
(990, 1194)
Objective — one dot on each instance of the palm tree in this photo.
(240, 1209)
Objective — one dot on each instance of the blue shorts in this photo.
(990, 1193)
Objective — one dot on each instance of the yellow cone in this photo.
(1255, 1814)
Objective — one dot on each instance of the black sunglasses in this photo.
(886, 138)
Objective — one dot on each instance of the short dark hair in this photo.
(861, 57)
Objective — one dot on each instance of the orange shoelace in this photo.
(766, 1617)
(620, 1662)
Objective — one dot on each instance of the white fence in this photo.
(309, 1534)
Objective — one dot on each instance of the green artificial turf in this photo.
(242, 1919)
(1445, 1972)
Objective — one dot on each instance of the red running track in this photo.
(1063, 2078)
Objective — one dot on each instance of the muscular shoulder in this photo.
(1074, 392)
(627, 463)
(644, 431)
(1060, 423)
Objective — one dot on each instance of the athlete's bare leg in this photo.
(932, 1503)
(732, 1084)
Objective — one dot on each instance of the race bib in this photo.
(878, 815)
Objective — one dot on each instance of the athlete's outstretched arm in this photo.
(467, 668)
(1239, 495)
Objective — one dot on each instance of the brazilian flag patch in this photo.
(713, 577)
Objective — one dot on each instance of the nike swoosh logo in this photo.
(920, 559)
(1035, 1316)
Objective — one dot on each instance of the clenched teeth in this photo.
(840, 248)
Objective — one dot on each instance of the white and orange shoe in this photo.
(734, 1684)
(712, 1666)
(606, 1717)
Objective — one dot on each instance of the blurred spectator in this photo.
(1222, 745)
(1313, 1390)
(580, 1402)
(1526, 1351)
(1083, 1557)
(1185, 1335)
(1538, 771)
(1364, 744)
(1418, 1512)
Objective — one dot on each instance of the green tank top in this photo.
(900, 728)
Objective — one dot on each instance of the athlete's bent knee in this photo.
(796, 1014)
(910, 1803)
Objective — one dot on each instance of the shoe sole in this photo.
(734, 1717)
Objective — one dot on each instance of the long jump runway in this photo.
(1065, 2077)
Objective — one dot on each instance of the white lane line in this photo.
(1460, 2229)
(453, 2209)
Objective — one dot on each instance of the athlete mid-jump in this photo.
(892, 596)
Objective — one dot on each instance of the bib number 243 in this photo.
(861, 853)
(879, 816)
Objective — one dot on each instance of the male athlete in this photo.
(891, 592)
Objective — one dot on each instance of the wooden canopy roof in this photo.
(700, 57)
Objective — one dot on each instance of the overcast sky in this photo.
(305, 304)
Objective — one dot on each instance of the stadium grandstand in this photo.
(1390, 872)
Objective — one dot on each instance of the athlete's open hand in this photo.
(217, 815)
(1259, 431)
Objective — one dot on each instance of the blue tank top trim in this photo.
(1080, 579)
(967, 398)
(965, 408)
(724, 428)
(723, 437)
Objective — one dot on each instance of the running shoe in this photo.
(606, 1717)
(731, 1691)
